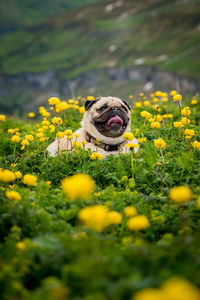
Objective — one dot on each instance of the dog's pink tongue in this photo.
(115, 120)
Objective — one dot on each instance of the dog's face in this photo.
(109, 115)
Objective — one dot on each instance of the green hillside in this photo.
(18, 13)
(79, 40)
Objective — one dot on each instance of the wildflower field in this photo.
(77, 226)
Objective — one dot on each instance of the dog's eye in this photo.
(102, 108)
(124, 108)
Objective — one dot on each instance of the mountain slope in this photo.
(157, 31)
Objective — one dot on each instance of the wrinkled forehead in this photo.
(110, 101)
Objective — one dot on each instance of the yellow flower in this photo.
(39, 135)
(54, 100)
(46, 113)
(78, 186)
(52, 128)
(186, 111)
(180, 194)
(142, 140)
(196, 145)
(129, 145)
(56, 121)
(189, 132)
(173, 93)
(29, 137)
(62, 106)
(95, 156)
(145, 114)
(165, 99)
(71, 101)
(194, 102)
(94, 217)
(24, 143)
(83, 142)
(138, 104)
(48, 182)
(69, 137)
(185, 121)
(198, 202)
(155, 125)
(75, 144)
(150, 294)
(68, 132)
(128, 136)
(76, 135)
(60, 135)
(2, 118)
(12, 195)
(180, 289)
(20, 245)
(11, 131)
(170, 116)
(178, 124)
(7, 176)
(114, 217)
(31, 115)
(138, 223)
(45, 123)
(155, 100)
(158, 94)
(29, 179)
(90, 98)
(160, 143)
(15, 139)
(130, 211)
(147, 103)
(82, 109)
(18, 174)
(177, 97)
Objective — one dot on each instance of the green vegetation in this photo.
(46, 252)
(78, 43)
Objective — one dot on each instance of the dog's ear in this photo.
(89, 103)
(126, 103)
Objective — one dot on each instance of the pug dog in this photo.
(105, 120)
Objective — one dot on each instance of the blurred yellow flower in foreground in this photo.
(7, 176)
(78, 186)
(130, 211)
(94, 217)
(18, 174)
(175, 288)
(2, 118)
(20, 245)
(138, 223)
(31, 115)
(180, 194)
(29, 179)
(114, 217)
(12, 195)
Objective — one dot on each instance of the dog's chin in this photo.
(113, 127)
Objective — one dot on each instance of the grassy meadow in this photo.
(77, 226)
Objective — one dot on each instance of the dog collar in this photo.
(106, 147)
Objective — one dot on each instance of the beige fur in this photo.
(87, 126)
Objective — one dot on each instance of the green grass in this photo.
(60, 255)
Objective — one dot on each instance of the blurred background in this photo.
(93, 47)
